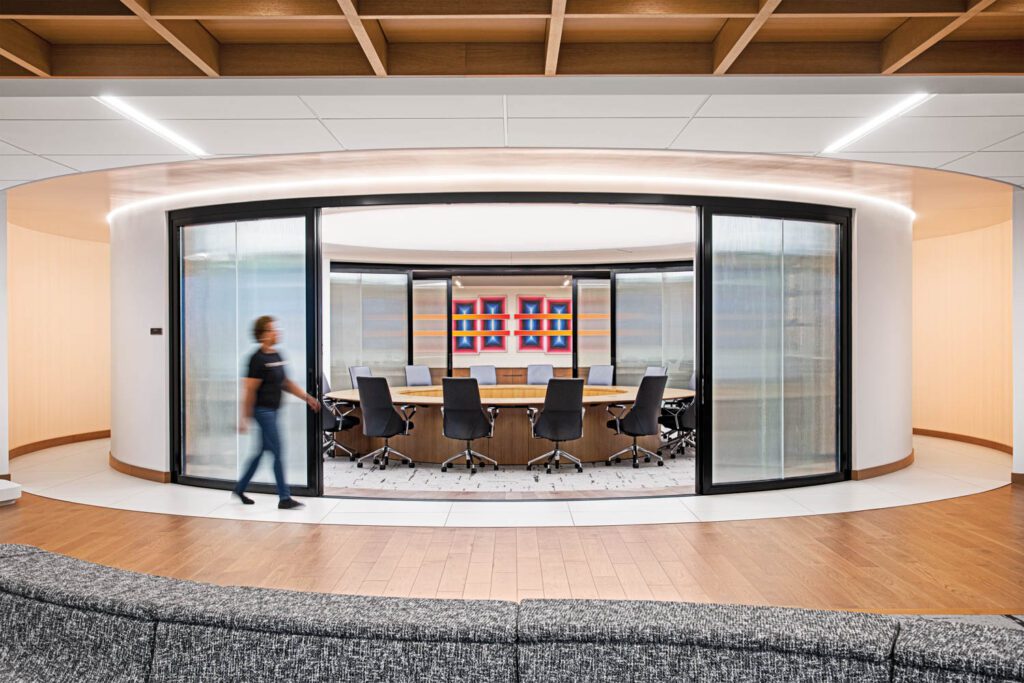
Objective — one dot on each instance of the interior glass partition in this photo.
(654, 325)
(430, 326)
(594, 323)
(369, 325)
(774, 352)
(231, 273)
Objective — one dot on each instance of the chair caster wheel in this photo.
(529, 467)
(495, 468)
(412, 464)
(579, 468)
(444, 468)
(608, 463)
(472, 470)
(548, 470)
(636, 465)
(383, 467)
(661, 463)
(672, 455)
(647, 458)
(359, 464)
(557, 465)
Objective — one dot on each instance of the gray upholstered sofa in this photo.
(62, 619)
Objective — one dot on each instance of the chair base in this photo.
(471, 457)
(331, 446)
(382, 456)
(635, 450)
(555, 457)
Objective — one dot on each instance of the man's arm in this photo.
(297, 391)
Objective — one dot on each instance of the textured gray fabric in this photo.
(939, 651)
(650, 641)
(551, 662)
(203, 653)
(12, 549)
(40, 641)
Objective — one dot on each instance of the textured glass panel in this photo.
(593, 318)
(232, 273)
(430, 324)
(746, 351)
(775, 306)
(369, 325)
(210, 356)
(654, 326)
(811, 310)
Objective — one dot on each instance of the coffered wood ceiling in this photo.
(196, 38)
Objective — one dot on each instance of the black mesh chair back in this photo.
(642, 419)
(380, 418)
(464, 416)
(688, 420)
(562, 419)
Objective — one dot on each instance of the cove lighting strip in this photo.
(896, 111)
(151, 124)
(536, 179)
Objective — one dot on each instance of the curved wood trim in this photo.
(140, 472)
(966, 439)
(1017, 478)
(5, 477)
(58, 441)
(887, 468)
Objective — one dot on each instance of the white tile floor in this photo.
(79, 473)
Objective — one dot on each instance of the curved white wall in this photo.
(882, 259)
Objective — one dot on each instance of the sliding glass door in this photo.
(369, 324)
(774, 293)
(229, 274)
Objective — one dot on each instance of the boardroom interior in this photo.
(737, 305)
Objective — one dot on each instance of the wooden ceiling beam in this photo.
(916, 35)
(58, 9)
(244, 9)
(346, 59)
(679, 8)
(553, 39)
(736, 34)
(872, 8)
(120, 61)
(970, 57)
(370, 37)
(383, 9)
(24, 48)
(187, 36)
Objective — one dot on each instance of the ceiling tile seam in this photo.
(999, 142)
(54, 161)
(319, 120)
(687, 123)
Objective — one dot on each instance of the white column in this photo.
(4, 461)
(1018, 336)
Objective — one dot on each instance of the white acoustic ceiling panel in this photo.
(603, 106)
(763, 135)
(42, 108)
(83, 137)
(29, 167)
(796, 106)
(924, 159)
(939, 134)
(410, 133)
(406, 106)
(990, 164)
(100, 162)
(214, 107)
(278, 136)
(995, 104)
(614, 133)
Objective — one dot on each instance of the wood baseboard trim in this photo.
(5, 477)
(965, 439)
(58, 441)
(140, 472)
(887, 468)
(1017, 478)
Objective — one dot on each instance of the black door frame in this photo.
(706, 206)
(179, 220)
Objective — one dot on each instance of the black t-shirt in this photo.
(269, 369)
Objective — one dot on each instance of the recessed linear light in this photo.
(897, 110)
(150, 124)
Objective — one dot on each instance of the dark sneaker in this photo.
(290, 504)
(246, 500)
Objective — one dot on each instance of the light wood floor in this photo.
(961, 555)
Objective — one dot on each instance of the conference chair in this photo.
(539, 374)
(356, 371)
(484, 374)
(464, 418)
(655, 370)
(641, 420)
(601, 375)
(418, 376)
(679, 418)
(382, 420)
(561, 420)
(335, 416)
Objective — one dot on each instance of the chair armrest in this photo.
(617, 416)
(531, 415)
(407, 412)
(492, 415)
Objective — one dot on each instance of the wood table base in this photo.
(511, 445)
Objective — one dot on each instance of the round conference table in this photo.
(512, 443)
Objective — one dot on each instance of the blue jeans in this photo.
(270, 440)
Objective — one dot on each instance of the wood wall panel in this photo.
(58, 336)
(962, 316)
